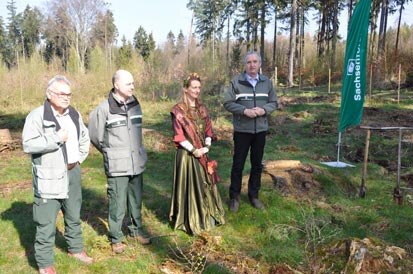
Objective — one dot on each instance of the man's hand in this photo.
(63, 134)
(250, 113)
(259, 111)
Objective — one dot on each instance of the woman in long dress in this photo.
(196, 204)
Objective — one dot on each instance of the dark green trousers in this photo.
(124, 193)
(44, 216)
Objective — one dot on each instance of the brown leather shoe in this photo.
(82, 256)
(118, 248)
(47, 270)
(143, 240)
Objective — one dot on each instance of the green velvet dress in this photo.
(196, 203)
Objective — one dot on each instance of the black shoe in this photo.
(233, 205)
(257, 204)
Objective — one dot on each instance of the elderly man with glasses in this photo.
(57, 139)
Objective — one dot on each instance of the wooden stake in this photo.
(371, 77)
(362, 191)
(398, 86)
(329, 80)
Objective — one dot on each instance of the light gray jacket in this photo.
(49, 157)
(115, 129)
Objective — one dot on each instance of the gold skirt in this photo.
(196, 204)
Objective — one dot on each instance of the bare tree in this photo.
(334, 39)
(292, 44)
(401, 4)
(81, 16)
(381, 46)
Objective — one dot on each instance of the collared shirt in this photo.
(72, 143)
(252, 80)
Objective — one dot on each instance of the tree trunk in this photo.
(297, 37)
(381, 47)
(190, 37)
(396, 47)
(334, 34)
(274, 46)
(292, 44)
(248, 34)
(350, 11)
(255, 30)
(302, 36)
(322, 32)
(228, 38)
(373, 32)
(262, 34)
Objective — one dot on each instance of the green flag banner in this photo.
(354, 72)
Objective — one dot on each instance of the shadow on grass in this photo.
(20, 213)
(95, 210)
(12, 122)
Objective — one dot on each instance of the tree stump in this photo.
(6, 142)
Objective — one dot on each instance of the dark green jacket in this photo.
(241, 95)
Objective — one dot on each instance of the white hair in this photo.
(57, 79)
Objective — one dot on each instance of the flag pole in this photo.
(338, 146)
(338, 163)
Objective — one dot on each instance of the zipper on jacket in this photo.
(255, 105)
(129, 133)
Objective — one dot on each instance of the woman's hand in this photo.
(200, 151)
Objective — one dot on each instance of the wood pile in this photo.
(6, 141)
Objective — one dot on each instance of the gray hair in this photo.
(57, 79)
(252, 52)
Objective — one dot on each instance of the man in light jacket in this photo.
(58, 141)
(115, 129)
(251, 99)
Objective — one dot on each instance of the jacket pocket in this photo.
(118, 160)
(51, 180)
(143, 157)
(237, 121)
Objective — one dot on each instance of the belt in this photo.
(71, 166)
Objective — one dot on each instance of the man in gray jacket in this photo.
(115, 128)
(251, 99)
(58, 141)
